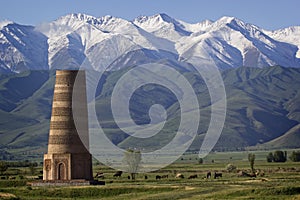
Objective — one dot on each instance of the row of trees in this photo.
(277, 156)
(31, 165)
(280, 156)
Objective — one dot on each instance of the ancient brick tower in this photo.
(67, 156)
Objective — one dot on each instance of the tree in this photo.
(295, 156)
(132, 159)
(279, 156)
(32, 168)
(251, 158)
(3, 167)
(200, 161)
(270, 157)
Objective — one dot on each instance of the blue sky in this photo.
(268, 14)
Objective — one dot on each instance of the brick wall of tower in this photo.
(68, 157)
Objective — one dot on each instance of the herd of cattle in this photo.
(209, 175)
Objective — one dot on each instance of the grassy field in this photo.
(280, 181)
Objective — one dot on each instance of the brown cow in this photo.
(245, 174)
(193, 176)
(165, 176)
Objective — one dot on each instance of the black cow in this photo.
(99, 175)
(118, 174)
(208, 175)
(193, 176)
(217, 175)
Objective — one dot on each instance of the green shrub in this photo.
(29, 188)
(295, 156)
(279, 156)
(12, 183)
(3, 167)
(270, 157)
(200, 161)
(20, 177)
(88, 192)
(280, 191)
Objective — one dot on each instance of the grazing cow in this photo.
(146, 177)
(99, 175)
(158, 177)
(253, 175)
(262, 174)
(217, 175)
(118, 174)
(193, 176)
(245, 174)
(165, 176)
(179, 176)
(259, 173)
(128, 177)
(208, 175)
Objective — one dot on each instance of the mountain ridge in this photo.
(66, 42)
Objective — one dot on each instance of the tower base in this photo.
(67, 166)
(65, 183)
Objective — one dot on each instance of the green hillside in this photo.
(263, 110)
(289, 140)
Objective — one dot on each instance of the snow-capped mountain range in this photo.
(110, 43)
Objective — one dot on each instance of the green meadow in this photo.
(275, 181)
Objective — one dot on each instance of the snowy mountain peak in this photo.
(162, 24)
(227, 20)
(205, 22)
(288, 35)
(108, 19)
(5, 23)
(81, 16)
(166, 18)
(105, 19)
(197, 27)
(158, 18)
(238, 25)
(286, 31)
(77, 18)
